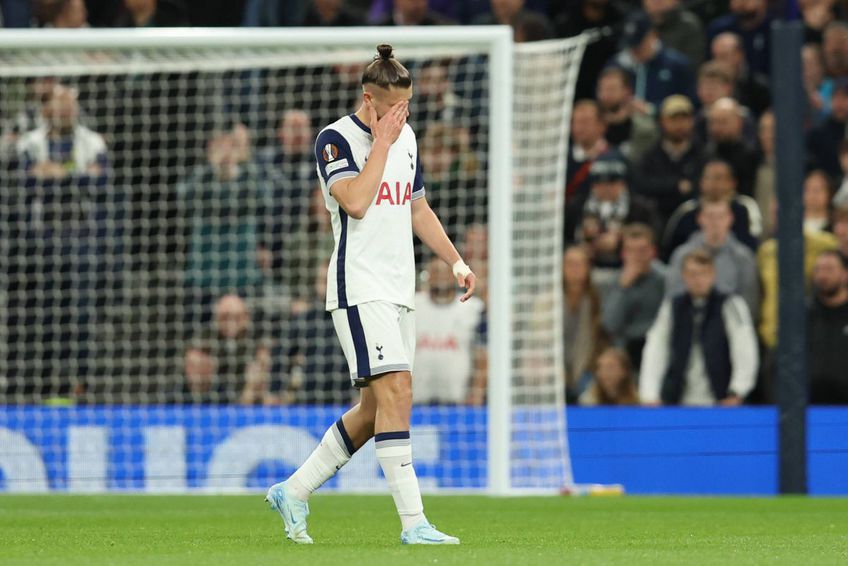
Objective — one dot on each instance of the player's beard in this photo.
(828, 292)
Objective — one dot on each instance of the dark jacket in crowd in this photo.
(667, 73)
(570, 21)
(743, 158)
(756, 41)
(658, 177)
(706, 325)
(753, 92)
(823, 146)
(682, 30)
(309, 362)
(628, 313)
(827, 343)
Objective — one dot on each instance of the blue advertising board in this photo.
(230, 448)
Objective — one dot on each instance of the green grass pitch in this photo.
(352, 530)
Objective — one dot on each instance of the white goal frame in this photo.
(495, 41)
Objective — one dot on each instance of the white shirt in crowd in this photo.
(447, 336)
(744, 356)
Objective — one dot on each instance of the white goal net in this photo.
(164, 248)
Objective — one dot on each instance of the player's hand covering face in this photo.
(389, 127)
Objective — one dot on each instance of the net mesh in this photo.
(544, 78)
(164, 248)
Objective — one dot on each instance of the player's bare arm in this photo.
(427, 227)
(355, 195)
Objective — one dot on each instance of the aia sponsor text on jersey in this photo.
(392, 194)
(441, 344)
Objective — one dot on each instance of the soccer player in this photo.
(373, 188)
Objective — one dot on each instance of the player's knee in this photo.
(396, 388)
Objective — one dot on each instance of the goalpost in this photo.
(112, 277)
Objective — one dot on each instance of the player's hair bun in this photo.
(385, 71)
(385, 51)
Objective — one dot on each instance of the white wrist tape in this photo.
(461, 269)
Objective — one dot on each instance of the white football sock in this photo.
(332, 453)
(394, 452)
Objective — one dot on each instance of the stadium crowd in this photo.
(670, 265)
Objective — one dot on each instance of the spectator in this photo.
(331, 13)
(735, 268)
(827, 334)
(612, 382)
(814, 244)
(751, 90)
(678, 28)
(228, 362)
(817, 86)
(702, 348)
(668, 174)
(587, 144)
(151, 13)
(61, 147)
(583, 336)
(658, 71)
(531, 26)
(308, 364)
(436, 101)
(600, 218)
(575, 18)
(628, 130)
(835, 49)
(223, 203)
(450, 354)
(715, 82)
(56, 257)
(718, 182)
(28, 118)
(816, 14)
(341, 91)
(764, 186)
(289, 168)
(823, 141)
(295, 136)
(750, 20)
(631, 304)
(456, 190)
(413, 13)
(727, 140)
(60, 13)
(817, 194)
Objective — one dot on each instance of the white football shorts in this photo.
(377, 337)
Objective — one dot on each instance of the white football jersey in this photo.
(446, 338)
(373, 259)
